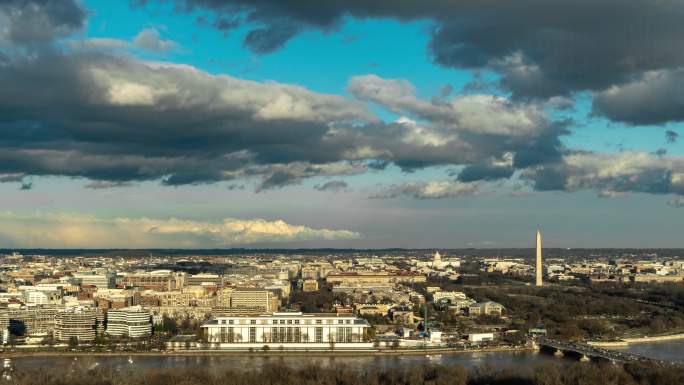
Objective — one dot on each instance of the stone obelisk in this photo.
(538, 270)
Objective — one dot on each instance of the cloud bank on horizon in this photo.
(73, 230)
(115, 117)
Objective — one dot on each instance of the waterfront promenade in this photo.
(636, 340)
(271, 353)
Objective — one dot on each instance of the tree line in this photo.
(312, 374)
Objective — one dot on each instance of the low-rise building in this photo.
(360, 278)
(310, 285)
(488, 308)
(480, 337)
(291, 330)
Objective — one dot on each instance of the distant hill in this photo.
(494, 252)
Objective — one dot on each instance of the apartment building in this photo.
(133, 322)
(257, 299)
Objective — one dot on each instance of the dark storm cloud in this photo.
(269, 39)
(30, 22)
(116, 119)
(541, 47)
(103, 185)
(26, 185)
(485, 172)
(608, 174)
(660, 152)
(671, 136)
(429, 190)
(655, 98)
(334, 186)
(462, 130)
(276, 176)
(113, 118)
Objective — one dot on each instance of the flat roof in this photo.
(290, 315)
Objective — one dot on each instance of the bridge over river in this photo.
(587, 352)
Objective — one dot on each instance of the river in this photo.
(672, 351)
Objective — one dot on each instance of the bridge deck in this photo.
(595, 352)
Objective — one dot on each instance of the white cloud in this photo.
(677, 201)
(149, 39)
(66, 230)
(165, 86)
(611, 174)
(482, 114)
(430, 190)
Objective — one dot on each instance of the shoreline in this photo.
(210, 353)
(637, 340)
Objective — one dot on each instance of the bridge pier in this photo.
(587, 352)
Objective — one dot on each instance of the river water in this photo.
(672, 351)
(667, 350)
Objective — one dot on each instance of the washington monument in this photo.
(538, 279)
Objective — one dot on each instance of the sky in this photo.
(355, 124)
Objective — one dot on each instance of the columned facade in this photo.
(287, 330)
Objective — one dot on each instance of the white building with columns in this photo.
(440, 263)
(289, 331)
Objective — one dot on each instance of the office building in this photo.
(159, 280)
(255, 299)
(75, 322)
(34, 320)
(133, 322)
(101, 281)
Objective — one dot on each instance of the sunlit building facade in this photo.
(288, 330)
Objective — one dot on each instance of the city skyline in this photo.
(219, 124)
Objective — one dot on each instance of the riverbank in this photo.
(636, 340)
(209, 353)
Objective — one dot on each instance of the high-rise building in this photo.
(4, 326)
(538, 269)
